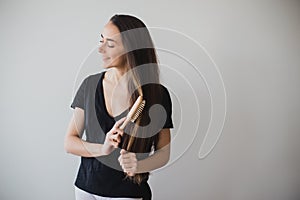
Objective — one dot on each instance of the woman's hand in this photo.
(128, 162)
(113, 138)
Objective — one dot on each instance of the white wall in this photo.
(255, 45)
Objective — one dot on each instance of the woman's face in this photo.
(111, 46)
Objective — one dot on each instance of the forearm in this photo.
(79, 147)
(155, 161)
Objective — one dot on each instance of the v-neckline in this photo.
(103, 100)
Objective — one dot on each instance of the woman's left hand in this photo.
(128, 162)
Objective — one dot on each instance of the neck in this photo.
(115, 75)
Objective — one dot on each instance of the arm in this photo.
(75, 145)
(160, 157)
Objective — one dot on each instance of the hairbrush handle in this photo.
(124, 123)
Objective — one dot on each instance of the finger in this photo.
(115, 144)
(119, 122)
(119, 131)
(129, 155)
(128, 166)
(114, 141)
(112, 131)
(126, 170)
(116, 138)
(120, 159)
(115, 132)
(130, 171)
(125, 162)
(126, 157)
(130, 174)
(123, 151)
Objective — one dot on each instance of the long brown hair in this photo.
(141, 60)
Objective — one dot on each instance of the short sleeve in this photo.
(78, 100)
(167, 104)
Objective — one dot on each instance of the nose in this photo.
(101, 48)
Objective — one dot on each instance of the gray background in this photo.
(256, 46)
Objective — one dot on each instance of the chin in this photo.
(107, 66)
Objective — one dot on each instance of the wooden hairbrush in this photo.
(132, 116)
(134, 112)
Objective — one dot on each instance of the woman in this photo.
(116, 163)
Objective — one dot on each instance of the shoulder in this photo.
(157, 93)
(166, 98)
(161, 90)
(92, 79)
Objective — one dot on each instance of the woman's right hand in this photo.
(113, 138)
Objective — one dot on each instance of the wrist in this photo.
(139, 168)
(101, 151)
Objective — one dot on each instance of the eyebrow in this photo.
(108, 38)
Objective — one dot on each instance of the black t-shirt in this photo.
(103, 175)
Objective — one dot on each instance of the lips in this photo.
(105, 58)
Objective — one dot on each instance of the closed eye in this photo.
(108, 45)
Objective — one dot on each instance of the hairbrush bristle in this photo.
(138, 111)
